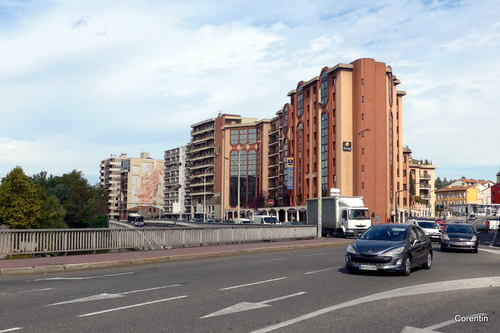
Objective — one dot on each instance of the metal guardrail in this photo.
(27, 241)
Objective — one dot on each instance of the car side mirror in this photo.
(416, 241)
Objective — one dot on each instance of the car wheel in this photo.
(443, 249)
(476, 250)
(428, 262)
(352, 270)
(407, 266)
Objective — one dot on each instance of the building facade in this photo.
(110, 182)
(423, 198)
(134, 185)
(177, 201)
(348, 122)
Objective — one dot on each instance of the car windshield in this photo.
(428, 225)
(359, 214)
(463, 229)
(388, 233)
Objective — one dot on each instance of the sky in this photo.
(81, 80)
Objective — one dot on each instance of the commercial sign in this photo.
(346, 146)
(289, 173)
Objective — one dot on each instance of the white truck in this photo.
(341, 216)
(264, 219)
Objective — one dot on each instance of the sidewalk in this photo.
(41, 265)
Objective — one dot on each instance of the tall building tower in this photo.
(177, 202)
(351, 115)
(205, 162)
(110, 181)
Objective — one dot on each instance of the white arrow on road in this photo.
(409, 329)
(244, 306)
(107, 296)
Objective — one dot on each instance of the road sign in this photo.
(270, 202)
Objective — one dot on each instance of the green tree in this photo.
(20, 205)
(438, 183)
(53, 213)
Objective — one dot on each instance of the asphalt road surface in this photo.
(290, 291)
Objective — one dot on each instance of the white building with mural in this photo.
(140, 187)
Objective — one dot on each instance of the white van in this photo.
(265, 219)
(241, 220)
(493, 224)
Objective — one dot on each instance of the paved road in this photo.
(306, 290)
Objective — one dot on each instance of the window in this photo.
(300, 102)
(324, 87)
(324, 153)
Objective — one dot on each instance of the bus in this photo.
(136, 219)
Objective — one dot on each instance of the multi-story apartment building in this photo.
(245, 167)
(456, 199)
(177, 201)
(352, 116)
(423, 177)
(495, 191)
(134, 185)
(110, 181)
(205, 161)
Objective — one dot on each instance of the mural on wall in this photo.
(150, 190)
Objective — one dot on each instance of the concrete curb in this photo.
(156, 260)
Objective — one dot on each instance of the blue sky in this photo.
(81, 80)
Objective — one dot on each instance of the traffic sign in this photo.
(270, 202)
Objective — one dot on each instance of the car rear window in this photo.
(427, 225)
(465, 229)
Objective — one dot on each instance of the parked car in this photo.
(472, 217)
(431, 230)
(459, 236)
(483, 227)
(390, 247)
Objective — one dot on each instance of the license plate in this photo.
(368, 267)
(460, 243)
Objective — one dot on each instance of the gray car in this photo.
(390, 247)
(459, 236)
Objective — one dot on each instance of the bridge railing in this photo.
(27, 241)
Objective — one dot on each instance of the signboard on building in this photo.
(289, 173)
(346, 146)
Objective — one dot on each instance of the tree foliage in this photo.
(20, 204)
(438, 183)
(51, 202)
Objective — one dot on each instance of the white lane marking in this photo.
(253, 283)
(476, 283)
(312, 255)
(131, 306)
(323, 270)
(489, 250)
(244, 306)
(83, 278)
(273, 259)
(432, 328)
(35, 290)
(12, 329)
(107, 296)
